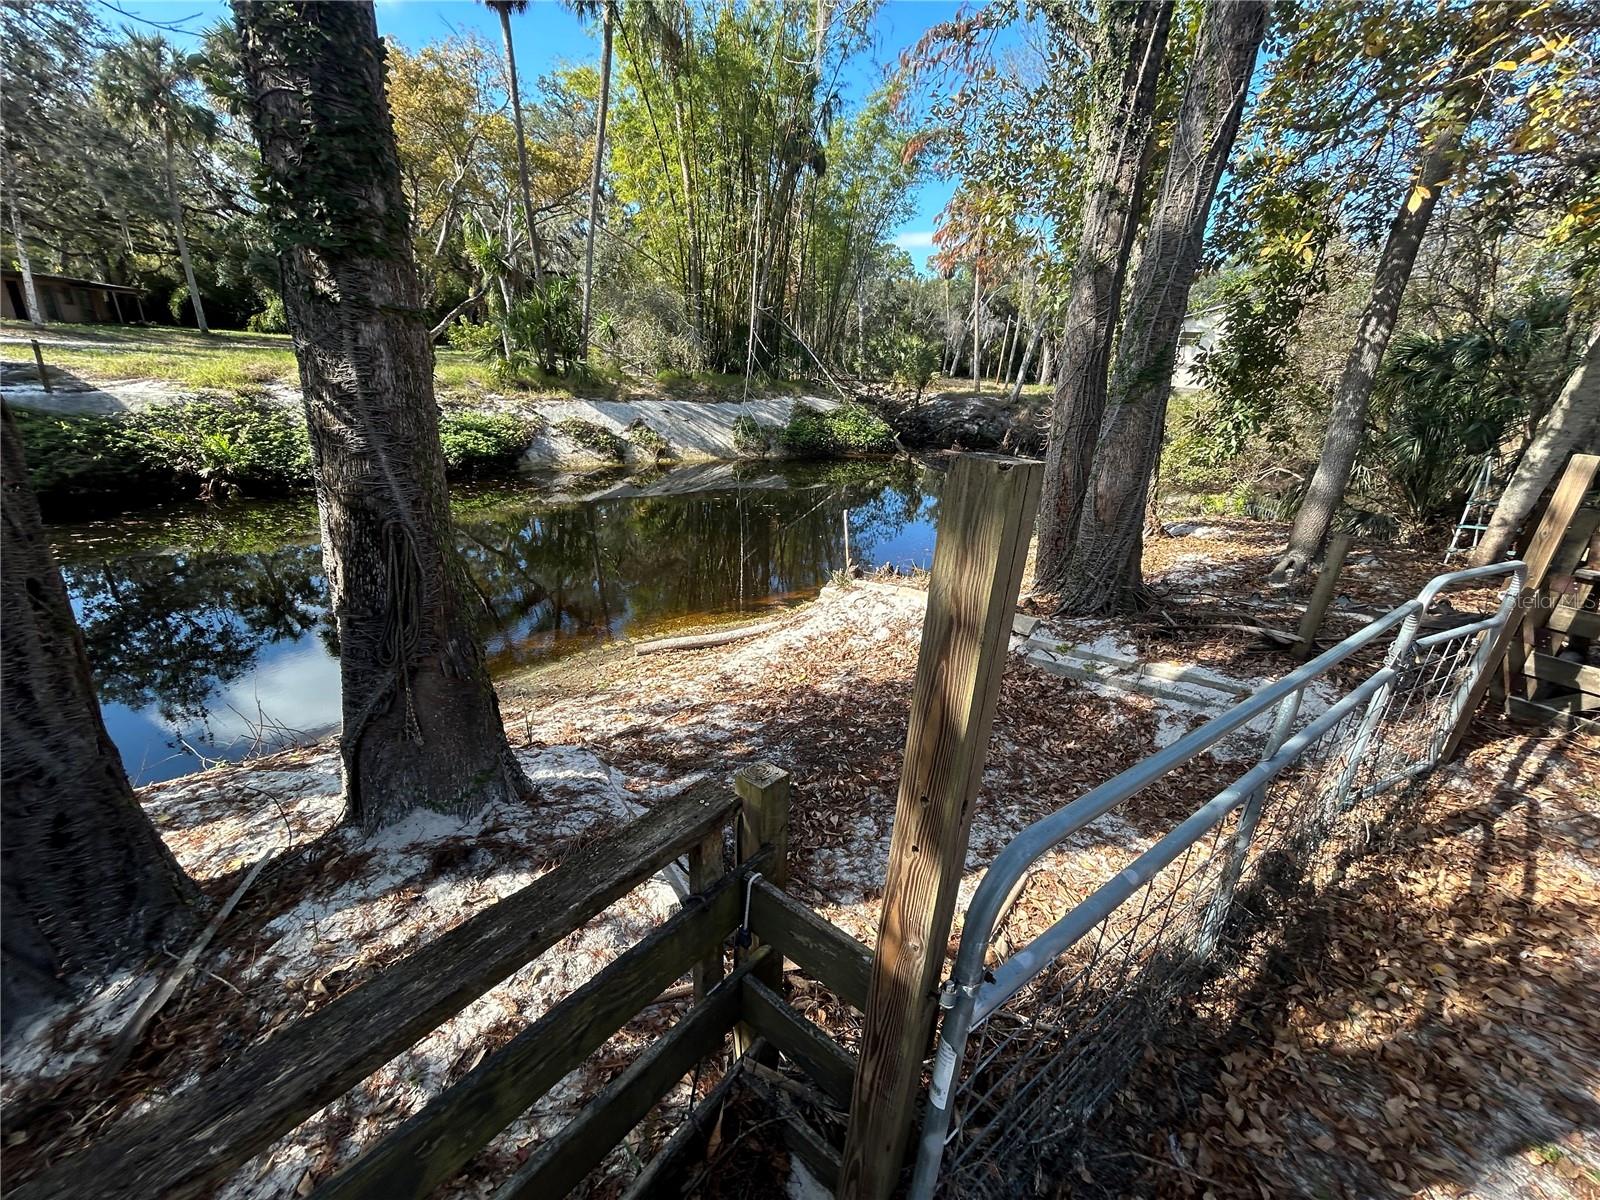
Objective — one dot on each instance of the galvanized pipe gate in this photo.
(1029, 1047)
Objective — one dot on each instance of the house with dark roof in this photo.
(65, 298)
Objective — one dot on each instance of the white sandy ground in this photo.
(397, 894)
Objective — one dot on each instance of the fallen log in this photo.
(699, 641)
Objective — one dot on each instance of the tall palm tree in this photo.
(145, 83)
(505, 8)
(606, 9)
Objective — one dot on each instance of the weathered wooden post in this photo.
(705, 868)
(38, 361)
(1322, 595)
(986, 512)
(763, 821)
(1579, 475)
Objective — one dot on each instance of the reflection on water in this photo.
(209, 635)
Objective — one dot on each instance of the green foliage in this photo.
(239, 444)
(593, 437)
(915, 360)
(848, 429)
(475, 442)
(750, 437)
(648, 440)
(81, 461)
(271, 319)
(1442, 403)
(224, 446)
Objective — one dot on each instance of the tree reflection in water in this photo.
(208, 628)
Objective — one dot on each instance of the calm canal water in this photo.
(209, 635)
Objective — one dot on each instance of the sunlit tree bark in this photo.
(421, 724)
(1103, 572)
(1126, 70)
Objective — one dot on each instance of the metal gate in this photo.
(1034, 1038)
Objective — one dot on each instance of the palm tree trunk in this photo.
(421, 723)
(1134, 43)
(183, 242)
(1573, 423)
(88, 884)
(1103, 574)
(594, 179)
(522, 144)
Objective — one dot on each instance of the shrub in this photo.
(593, 437)
(478, 441)
(271, 319)
(848, 429)
(916, 360)
(232, 444)
(649, 440)
(74, 460)
(750, 437)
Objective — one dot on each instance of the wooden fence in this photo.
(190, 1145)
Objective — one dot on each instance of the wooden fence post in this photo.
(1322, 595)
(763, 821)
(705, 868)
(38, 361)
(1576, 479)
(986, 511)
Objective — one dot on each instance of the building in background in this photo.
(63, 298)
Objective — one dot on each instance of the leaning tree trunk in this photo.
(1027, 360)
(421, 723)
(1103, 573)
(1126, 71)
(595, 177)
(183, 242)
(19, 234)
(1347, 420)
(86, 883)
(1573, 423)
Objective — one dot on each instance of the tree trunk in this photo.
(183, 242)
(1347, 420)
(1046, 361)
(599, 160)
(421, 723)
(19, 235)
(1573, 423)
(522, 144)
(1104, 574)
(88, 884)
(1027, 359)
(977, 379)
(1126, 71)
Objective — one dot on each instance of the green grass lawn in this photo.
(231, 361)
(225, 360)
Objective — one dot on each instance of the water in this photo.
(209, 634)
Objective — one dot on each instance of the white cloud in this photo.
(916, 239)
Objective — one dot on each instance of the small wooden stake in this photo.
(38, 361)
(763, 821)
(986, 512)
(1322, 595)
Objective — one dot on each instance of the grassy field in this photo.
(231, 361)
(225, 360)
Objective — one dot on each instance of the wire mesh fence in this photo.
(1042, 1024)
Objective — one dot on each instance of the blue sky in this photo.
(548, 36)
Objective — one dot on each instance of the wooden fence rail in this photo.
(184, 1148)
